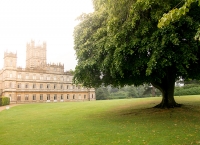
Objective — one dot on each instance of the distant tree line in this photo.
(191, 87)
(105, 93)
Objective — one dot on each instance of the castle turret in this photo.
(10, 60)
(35, 55)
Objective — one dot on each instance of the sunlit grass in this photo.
(128, 121)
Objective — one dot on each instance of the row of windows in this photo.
(19, 76)
(47, 86)
(55, 97)
(41, 77)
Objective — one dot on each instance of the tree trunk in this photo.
(167, 86)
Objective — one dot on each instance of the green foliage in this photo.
(102, 93)
(107, 93)
(118, 95)
(189, 82)
(176, 14)
(4, 101)
(188, 89)
(119, 44)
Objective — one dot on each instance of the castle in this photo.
(39, 81)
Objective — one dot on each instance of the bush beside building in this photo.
(4, 101)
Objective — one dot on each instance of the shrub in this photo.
(4, 101)
(188, 90)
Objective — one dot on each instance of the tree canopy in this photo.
(120, 44)
(176, 13)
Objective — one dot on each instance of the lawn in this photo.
(127, 121)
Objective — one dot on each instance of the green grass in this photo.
(127, 121)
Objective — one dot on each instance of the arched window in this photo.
(41, 96)
(26, 97)
(48, 96)
(55, 97)
(18, 97)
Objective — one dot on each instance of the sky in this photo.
(52, 21)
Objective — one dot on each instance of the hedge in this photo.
(4, 101)
(188, 90)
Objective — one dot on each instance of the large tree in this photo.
(119, 44)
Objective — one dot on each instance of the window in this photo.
(18, 97)
(67, 86)
(73, 86)
(19, 85)
(79, 87)
(92, 95)
(27, 76)
(61, 86)
(11, 63)
(54, 86)
(34, 86)
(34, 97)
(54, 78)
(10, 75)
(26, 97)
(10, 85)
(61, 97)
(41, 96)
(84, 96)
(61, 78)
(67, 96)
(19, 76)
(26, 86)
(73, 96)
(34, 77)
(41, 77)
(48, 86)
(41, 86)
(55, 97)
(48, 77)
(48, 96)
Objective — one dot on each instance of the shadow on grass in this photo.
(147, 110)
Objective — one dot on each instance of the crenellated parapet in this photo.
(58, 65)
(10, 54)
(53, 67)
(32, 45)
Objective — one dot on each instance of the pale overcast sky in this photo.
(51, 21)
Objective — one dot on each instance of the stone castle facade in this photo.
(39, 81)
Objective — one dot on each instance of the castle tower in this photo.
(10, 60)
(35, 55)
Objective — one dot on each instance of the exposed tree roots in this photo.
(164, 105)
